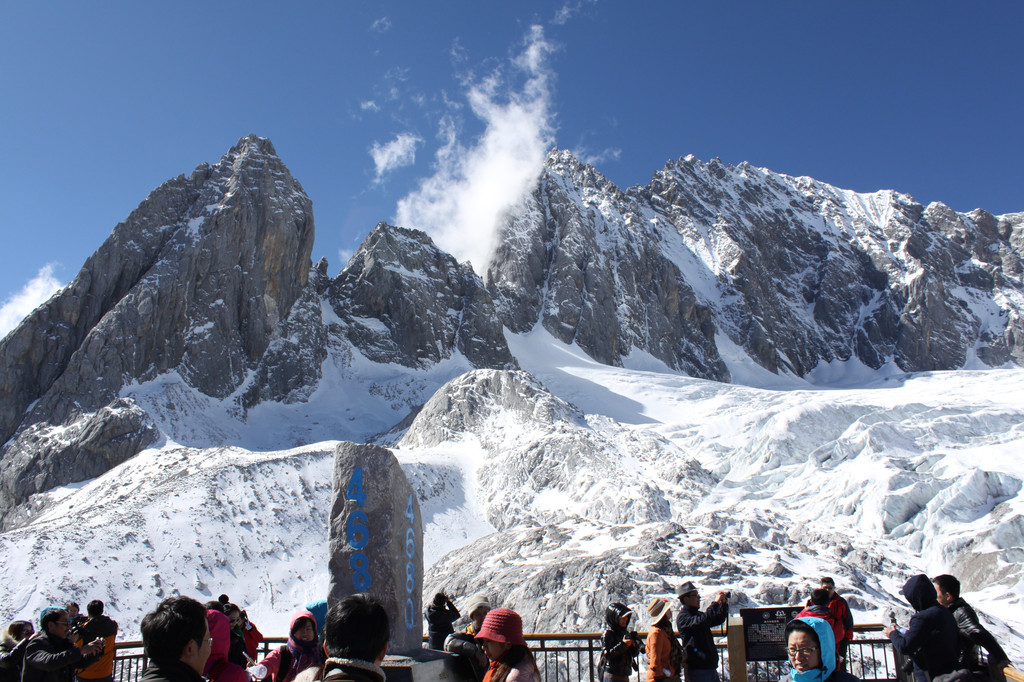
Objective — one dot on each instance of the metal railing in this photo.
(574, 657)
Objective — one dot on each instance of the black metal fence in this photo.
(574, 658)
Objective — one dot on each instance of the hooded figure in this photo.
(931, 641)
(302, 650)
(815, 660)
(620, 647)
(218, 668)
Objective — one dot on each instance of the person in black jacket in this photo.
(932, 640)
(620, 646)
(440, 616)
(973, 635)
(50, 656)
(694, 628)
(176, 637)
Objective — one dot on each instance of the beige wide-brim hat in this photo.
(658, 608)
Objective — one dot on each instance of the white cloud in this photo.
(400, 152)
(381, 25)
(369, 105)
(36, 291)
(461, 205)
(568, 10)
(594, 159)
(344, 256)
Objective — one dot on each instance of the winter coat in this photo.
(932, 641)
(973, 638)
(170, 671)
(825, 613)
(439, 623)
(297, 655)
(523, 672)
(99, 627)
(352, 670)
(253, 639)
(12, 657)
(218, 666)
(661, 642)
(842, 614)
(620, 658)
(50, 659)
(694, 629)
(466, 647)
(828, 670)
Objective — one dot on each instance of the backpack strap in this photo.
(285, 665)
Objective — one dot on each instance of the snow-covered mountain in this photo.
(728, 375)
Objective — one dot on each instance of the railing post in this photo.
(737, 651)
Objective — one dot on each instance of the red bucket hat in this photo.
(502, 625)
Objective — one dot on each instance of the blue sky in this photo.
(403, 110)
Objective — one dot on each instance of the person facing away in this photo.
(49, 654)
(511, 660)
(219, 667)
(811, 647)
(973, 635)
(694, 628)
(931, 641)
(464, 643)
(176, 637)
(665, 656)
(98, 626)
(619, 646)
(12, 649)
(440, 615)
(817, 607)
(841, 614)
(356, 635)
(301, 652)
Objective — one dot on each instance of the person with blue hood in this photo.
(811, 647)
(931, 641)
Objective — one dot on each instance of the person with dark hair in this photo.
(973, 635)
(841, 614)
(74, 614)
(301, 652)
(619, 646)
(12, 649)
(237, 653)
(101, 627)
(218, 667)
(49, 655)
(176, 638)
(440, 616)
(503, 641)
(252, 635)
(811, 647)
(694, 628)
(932, 640)
(817, 607)
(356, 637)
(665, 657)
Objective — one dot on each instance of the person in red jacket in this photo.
(218, 668)
(841, 612)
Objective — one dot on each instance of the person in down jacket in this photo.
(218, 668)
(302, 650)
(811, 647)
(620, 646)
(931, 640)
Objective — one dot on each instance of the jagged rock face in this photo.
(794, 271)
(574, 258)
(403, 300)
(195, 281)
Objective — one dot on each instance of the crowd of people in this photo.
(186, 641)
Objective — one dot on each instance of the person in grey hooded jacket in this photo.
(931, 641)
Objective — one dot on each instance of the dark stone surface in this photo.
(376, 539)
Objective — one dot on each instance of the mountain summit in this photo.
(641, 388)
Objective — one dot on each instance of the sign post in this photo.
(764, 632)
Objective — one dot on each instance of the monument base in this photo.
(427, 665)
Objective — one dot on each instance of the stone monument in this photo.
(376, 539)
